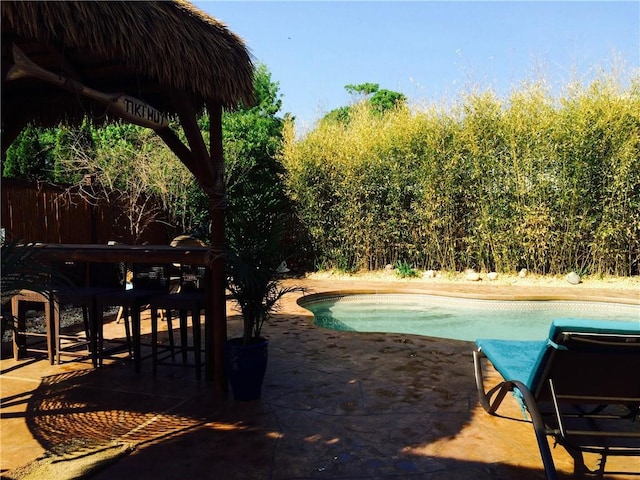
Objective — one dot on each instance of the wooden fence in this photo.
(43, 212)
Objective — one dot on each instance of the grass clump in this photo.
(404, 270)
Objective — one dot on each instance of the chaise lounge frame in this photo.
(581, 387)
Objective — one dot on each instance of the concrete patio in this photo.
(335, 405)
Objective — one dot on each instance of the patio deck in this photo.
(335, 405)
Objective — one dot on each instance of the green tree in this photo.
(385, 100)
(28, 157)
(381, 101)
(132, 164)
(362, 88)
(69, 143)
(339, 115)
(252, 139)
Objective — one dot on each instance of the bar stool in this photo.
(22, 302)
(89, 282)
(148, 281)
(189, 298)
(66, 286)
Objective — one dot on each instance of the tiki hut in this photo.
(144, 61)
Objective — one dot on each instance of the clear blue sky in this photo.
(430, 51)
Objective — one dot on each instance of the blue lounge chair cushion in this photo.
(580, 325)
(524, 360)
(514, 359)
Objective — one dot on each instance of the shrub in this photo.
(529, 181)
(404, 270)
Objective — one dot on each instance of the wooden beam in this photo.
(208, 167)
(217, 205)
(217, 153)
(182, 152)
(188, 118)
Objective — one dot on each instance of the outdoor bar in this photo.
(141, 254)
(61, 60)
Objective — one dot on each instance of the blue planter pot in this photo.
(246, 366)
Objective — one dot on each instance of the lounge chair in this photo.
(580, 386)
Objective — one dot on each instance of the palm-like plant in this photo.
(253, 277)
(257, 291)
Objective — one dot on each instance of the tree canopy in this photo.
(381, 100)
(133, 161)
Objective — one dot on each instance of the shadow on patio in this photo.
(334, 405)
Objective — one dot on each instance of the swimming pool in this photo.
(455, 318)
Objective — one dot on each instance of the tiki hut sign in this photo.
(124, 106)
(138, 112)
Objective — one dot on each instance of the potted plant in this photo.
(254, 275)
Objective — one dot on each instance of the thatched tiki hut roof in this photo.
(94, 59)
(144, 49)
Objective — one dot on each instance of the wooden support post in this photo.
(217, 206)
(208, 167)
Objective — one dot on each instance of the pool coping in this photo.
(581, 296)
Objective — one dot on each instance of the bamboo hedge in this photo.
(529, 181)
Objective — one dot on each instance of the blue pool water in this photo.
(456, 318)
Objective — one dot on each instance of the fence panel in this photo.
(43, 212)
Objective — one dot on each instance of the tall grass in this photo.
(529, 181)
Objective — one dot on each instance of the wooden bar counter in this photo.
(122, 253)
(215, 315)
